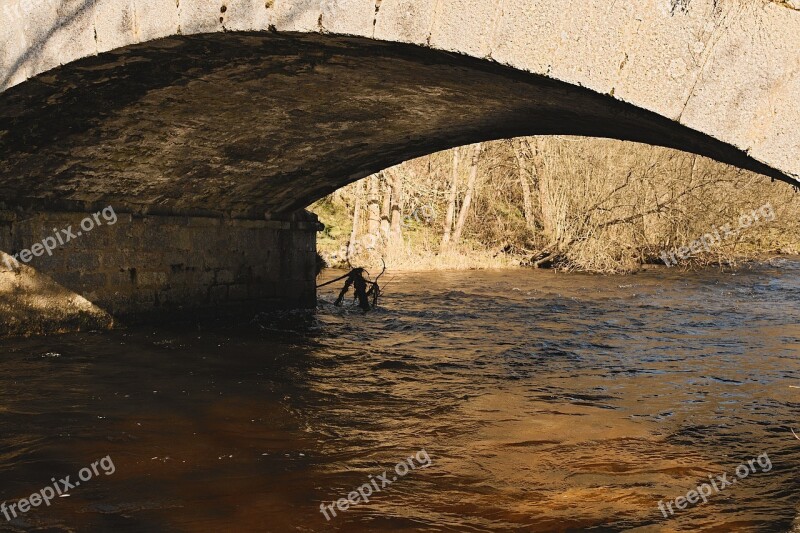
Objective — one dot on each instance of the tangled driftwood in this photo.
(366, 291)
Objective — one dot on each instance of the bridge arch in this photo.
(188, 115)
(245, 107)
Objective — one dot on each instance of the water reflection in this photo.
(546, 402)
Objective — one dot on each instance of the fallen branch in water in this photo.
(359, 281)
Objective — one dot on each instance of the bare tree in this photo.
(351, 245)
(596, 205)
(451, 202)
(373, 205)
(397, 204)
(473, 174)
(386, 205)
(527, 201)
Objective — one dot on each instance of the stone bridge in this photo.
(207, 124)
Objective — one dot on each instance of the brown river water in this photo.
(515, 400)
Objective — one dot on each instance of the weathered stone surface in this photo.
(725, 70)
(152, 267)
(200, 117)
(243, 124)
(32, 303)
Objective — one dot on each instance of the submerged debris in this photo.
(366, 291)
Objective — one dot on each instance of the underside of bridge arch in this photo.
(206, 147)
(243, 124)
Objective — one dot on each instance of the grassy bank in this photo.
(576, 204)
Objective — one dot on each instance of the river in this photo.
(512, 400)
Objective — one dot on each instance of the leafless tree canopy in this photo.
(575, 203)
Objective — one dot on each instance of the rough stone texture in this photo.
(727, 69)
(243, 124)
(222, 113)
(149, 267)
(33, 304)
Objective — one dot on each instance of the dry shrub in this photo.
(595, 205)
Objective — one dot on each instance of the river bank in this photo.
(573, 204)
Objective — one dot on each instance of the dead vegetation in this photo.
(570, 203)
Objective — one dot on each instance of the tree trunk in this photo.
(386, 207)
(397, 205)
(373, 206)
(352, 245)
(527, 200)
(451, 202)
(543, 186)
(473, 174)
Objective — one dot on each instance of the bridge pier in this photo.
(75, 271)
